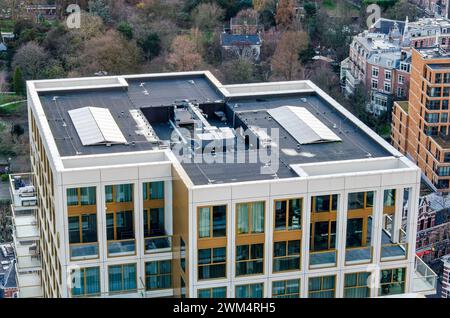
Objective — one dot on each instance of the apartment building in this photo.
(174, 185)
(419, 127)
(380, 58)
(445, 292)
(433, 8)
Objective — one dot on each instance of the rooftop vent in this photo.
(96, 126)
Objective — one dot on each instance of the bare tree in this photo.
(285, 61)
(184, 55)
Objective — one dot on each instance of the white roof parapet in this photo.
(96, 126)
(302, 125)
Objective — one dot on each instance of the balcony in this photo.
(23, 193)
(424, 281)
(24, 225)
(158, 244)
(28, 258)
(30, 285)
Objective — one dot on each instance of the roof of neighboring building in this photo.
(385, 26)
(235, 39)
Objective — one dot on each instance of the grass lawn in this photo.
(13, 108)
(8, 98)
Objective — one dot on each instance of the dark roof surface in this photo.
(235, 39)
(250, 111)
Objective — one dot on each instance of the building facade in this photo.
(380, 58)
(445, 292)
(143, 187)
(419, 127)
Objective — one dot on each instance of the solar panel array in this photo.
(96, 126)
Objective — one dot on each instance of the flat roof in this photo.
(244, 105)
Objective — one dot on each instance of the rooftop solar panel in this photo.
(95, 126)
(302, 125)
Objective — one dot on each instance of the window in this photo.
(82, 223)
(154, 222)
(81, 196)
(250, 217)
(288, 215)
(83, 228)
(250, 291)
(217, 292)
(387, 87)
(322, 287)
(153, 190)
(86, 282)
(392, 281)
(375, 84)
(120, 219)
(212, 221)
(286, 256)
(122, 278)
(375, 71)
(401, 79)
(212, 263)
(324, 203)
(387, 75)
(158, 275)
(356, 285)
(182, 254)
(400, 92)
(249, 259)
(286, 289)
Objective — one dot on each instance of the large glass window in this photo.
(356, 285)
(249, 259)
(322, 287)
(286, 289)
(392, 281)
(153, 190)
(323, 231)
(212, 221)
(250, 291)
(288, 215)
(158, 275)
(154, 222)
(217, 292)
(82, 223)
(120, 219)
(250, 217)
(359, 227)
(81, 196)
(122, 278)
(286, 256)
(212, 263)
(86, 282)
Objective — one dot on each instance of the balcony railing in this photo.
(83, 251)
(323, 259)
(122, 247)
(158, 244)
(358, 255)
(394, 251)
(424, 278)
(23, 193)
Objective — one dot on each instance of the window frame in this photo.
(159, 274)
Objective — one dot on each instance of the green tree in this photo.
(151, 46)
(18, 82)
(126, 30)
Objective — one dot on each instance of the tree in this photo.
(285, 14)
(184, 56)
(126, 30)
(151, 46)
(18, 82)
(32, 60)
(207, 16)
(91, 26)
(100, 8)
(109, 52)
(401, 10)
(238, 71)
(285, 61)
